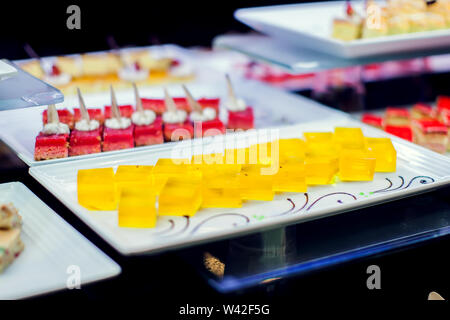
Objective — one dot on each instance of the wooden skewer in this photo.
(114, 107)
(83, 110)
(192, 102)
(139, 106)
(52, 114)
(170, 104)
(231, 94)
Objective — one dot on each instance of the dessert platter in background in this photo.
(96, 71)
(415, 26)
(39, 251)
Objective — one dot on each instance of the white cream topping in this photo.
(204, 115)
(56, 128)
(85, 125)
(121, 123)
(132, 74)
(240, 105)
(177, 116)
(181, 70)
(59, 80)
(143, 118)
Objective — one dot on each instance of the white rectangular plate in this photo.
(418, 170)
(310, 25)
(51, 247)
(19, 128)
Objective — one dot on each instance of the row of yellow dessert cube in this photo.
(225, 180)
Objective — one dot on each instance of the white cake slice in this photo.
(9, 217)
(10, 247)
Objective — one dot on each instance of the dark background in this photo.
(42, 24)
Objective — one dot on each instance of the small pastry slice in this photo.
(397, 116)
(349, 28)
(240, 116)
(10, 247)
(375, 24)
(176, 123)
(51, 143)
(422, 111)
(404, 132)
(431, 134)
(147, 126)
(9, 217)
(372, 120)
(443, 105)
(64, 116)
(205, 120)
(86, 137)
(118, 131)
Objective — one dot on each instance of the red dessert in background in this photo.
(212, 127)
(400, 131)
(85, 142)
(210, 103)
(397, 117)
(431, 134)
(241, 119)
(156, 105)
(422, 111)
(125, 111)
(372, 120)
(65, 116)
(95, 114)
(50, 146)
(443, 104)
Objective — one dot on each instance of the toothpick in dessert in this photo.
(51, 143)
(86, 137)
(240, 116)
(204, 118)
(118, 131)
(147, 125)
(176, 123)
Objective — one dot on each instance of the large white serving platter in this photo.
(19, 128)
(418, 170)
(52, 246)
(310, 26)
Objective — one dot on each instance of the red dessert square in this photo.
(422, 111)
(117, 139)
(85, 142)
(94, 114)
(50, 146)
(241, 119)
(400, 131)
(372, 120)
(186, 131)
(431, 134)
(65, 116)
(209, 128)
(210, 103)
(125, 111)
(149, 134)
(397, 116)
(443, 104)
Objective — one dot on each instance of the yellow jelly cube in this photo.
(180, 197)
(356, 165)
(255, 185)
(291, 150)
(290, 178)
(321, 170)
(321, 149)
(130, 175)
(241, 156)
(97, 189)
(221, 197)
(318, 137)
(165, 168)
(348, 138)
(137, 206)
(384, 153)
